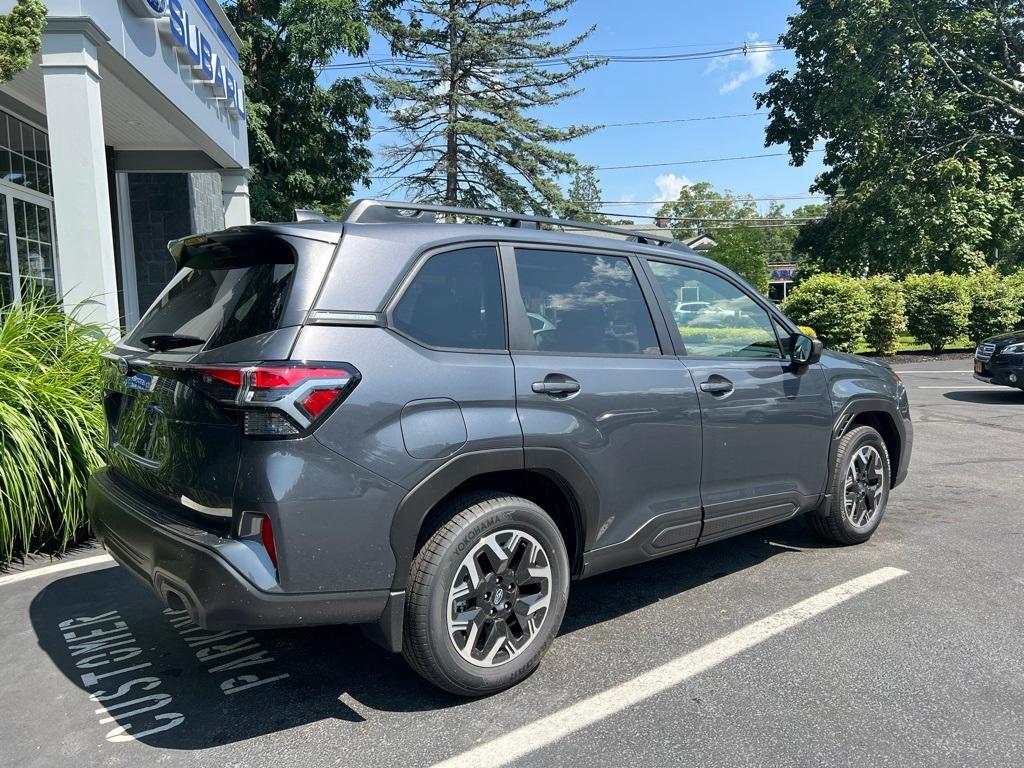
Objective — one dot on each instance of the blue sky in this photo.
(633, 92)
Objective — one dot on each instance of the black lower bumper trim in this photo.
(188, 570)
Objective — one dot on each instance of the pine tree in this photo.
(463, 97)
(582, 201)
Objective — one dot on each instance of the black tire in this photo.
(427, 645)
(833, 521)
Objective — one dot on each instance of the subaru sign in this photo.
(154, 8)
(213, 66)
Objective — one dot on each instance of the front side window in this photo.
(714, 317)
(584, 303)
(454, 301)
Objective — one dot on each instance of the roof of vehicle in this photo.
(415, 236)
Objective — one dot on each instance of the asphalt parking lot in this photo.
(766, 649)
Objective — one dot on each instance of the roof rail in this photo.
(390, 212)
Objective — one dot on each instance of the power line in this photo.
(681, 120)
(724, 199)
(695, 162)
(740, 50)
(387, 129)
(701, 161)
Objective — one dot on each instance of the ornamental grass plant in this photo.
(51, 424)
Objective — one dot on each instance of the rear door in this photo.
(592, 381)
(238, 298)
(766, 423)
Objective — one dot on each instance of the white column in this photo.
(235, 188)
(74, 117)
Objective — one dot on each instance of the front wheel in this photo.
(487, 594)
(860, 489)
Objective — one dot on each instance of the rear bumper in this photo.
(223, 583)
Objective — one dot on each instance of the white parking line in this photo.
(956, 387)
(540, 733)
(46, 570)
(925, 373)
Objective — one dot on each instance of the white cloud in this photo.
(669, 186)
(743, 68)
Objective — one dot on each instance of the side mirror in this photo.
(803, 350)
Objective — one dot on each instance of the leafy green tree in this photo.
(919, 107)
(887, 314)
(580, 204)
(20, 33)
(835, 306)
(306, 140)
(995, 305)
(701, 209)
(465, 98)
(741, 249)
(938, 308)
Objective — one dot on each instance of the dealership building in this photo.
(128, 130)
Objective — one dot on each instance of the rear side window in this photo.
(584, 303)
(454, 301)
(220, 300)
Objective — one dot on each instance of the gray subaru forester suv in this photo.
(430, 428)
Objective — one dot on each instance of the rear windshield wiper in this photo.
(162, 342)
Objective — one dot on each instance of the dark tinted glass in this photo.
(455, 301)
(221, 305)
(585, 303)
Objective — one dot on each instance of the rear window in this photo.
(221, 298)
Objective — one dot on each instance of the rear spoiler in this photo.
(231, 248)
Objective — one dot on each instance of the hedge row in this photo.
(936, 309)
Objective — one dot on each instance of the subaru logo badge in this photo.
(124, 366)
(152, 8)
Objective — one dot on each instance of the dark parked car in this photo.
(1000, 360)
(363, 422)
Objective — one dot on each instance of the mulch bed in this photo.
(924, 356)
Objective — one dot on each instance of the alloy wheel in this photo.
(499, 598)
(865, 486)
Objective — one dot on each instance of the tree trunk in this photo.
(451, 160)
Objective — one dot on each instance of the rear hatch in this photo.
(173, 385)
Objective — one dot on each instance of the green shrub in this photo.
(51, 424)
(938, 308)
(887, 315)
(836, 307)
(995, 305)
(1015, 283)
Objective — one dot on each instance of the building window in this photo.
(27, 262)
(24, 155)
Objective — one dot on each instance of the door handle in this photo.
(717, 385)
(556, 384)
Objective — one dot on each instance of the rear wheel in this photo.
(860, 489)
(487, 594)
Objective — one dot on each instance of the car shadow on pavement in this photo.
(1005, 396)
(148, 674)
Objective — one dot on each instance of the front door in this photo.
(766, 423)
(592, 382)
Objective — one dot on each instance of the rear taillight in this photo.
(277, 399)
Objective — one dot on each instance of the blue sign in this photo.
(212, 67)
